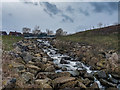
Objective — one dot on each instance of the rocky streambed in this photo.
(40, 65)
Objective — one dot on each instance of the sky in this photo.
(70, 16)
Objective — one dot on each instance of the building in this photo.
(15, 33)
(26, 30)
(3, 33)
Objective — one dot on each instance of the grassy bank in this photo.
(105, 41)
(7, 42)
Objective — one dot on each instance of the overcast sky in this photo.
(70, 16)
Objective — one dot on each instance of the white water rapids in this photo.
(72, 66)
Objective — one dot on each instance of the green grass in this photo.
(109, 41)
(7, 41)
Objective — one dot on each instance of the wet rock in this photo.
(94, 86)
(60, 74)
(82, 72)
(66, 58)
(64, 69)
(106, 83)
(57, 67)
(71, 84)
(63, 79)
(86, 82)
(102, 74)
(81, 85)
(89, 75)
(79, 65)
(115, 76)
(113, 80)
(74, 73)
(64, 62)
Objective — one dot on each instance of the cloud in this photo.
(52, 8)
(69, 9)
(48, 13)
(67, 18)
(85, 12)
(109, 7)
(10, 14)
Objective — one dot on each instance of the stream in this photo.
(70, 65)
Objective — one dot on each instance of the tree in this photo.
(59, 32)
(49, 32)
(26, 30)
(36, 30)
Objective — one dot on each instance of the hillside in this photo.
(106, 38)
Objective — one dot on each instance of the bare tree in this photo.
(26, 30)
(49, 32)
(36, 30)
(64, 33)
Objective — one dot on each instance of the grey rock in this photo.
(89, 75)
(102, 74)
(106, 83)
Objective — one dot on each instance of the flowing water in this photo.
(71, 66)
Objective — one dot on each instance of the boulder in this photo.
(113, 80)
(65, 58)
(102, 74)
(59, 74)
(71, 84)
(106, 83)
(44, 60)
(57, 67)
(86, 81)
(37, 55)
(64, 62)
(41, 75)
(64, 69)
(81, 85)
(82, 72)
(89, 76)
(27, 76)
(50, 69)
(42, 81)
(43, 84)
(26, 57)
(63, 79)
(47, 86)
(33, 67)
(115, 76)
(94, 86)
(79, 65)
